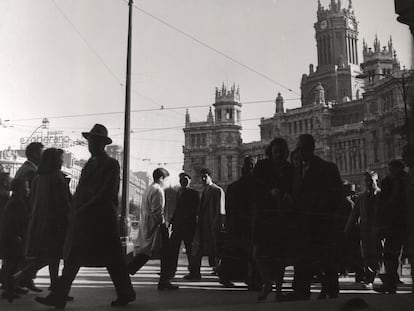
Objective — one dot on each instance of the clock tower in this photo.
(336, 34)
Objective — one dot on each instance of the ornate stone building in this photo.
(355, 112)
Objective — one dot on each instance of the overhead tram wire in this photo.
(202, 43)
(94, 52)
(161, 108)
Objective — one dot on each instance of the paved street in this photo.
(93, 291)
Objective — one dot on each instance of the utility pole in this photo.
(127, 130)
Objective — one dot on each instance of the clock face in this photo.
(324, 24)
(351, 24)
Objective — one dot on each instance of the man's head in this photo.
(248, 166)
(20, 187)
(277, 150)
(97, 139)
(306, 146)
(349, 189)
(159, 175)
(206, 179)
(396, 168)
(34, 152)
(371, 181)
(185, 180)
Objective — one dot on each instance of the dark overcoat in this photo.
(27, 172)
(317, 193)
(13, 228)
(208, 227)
(272, 215)
(93, 237)
(50, 200)
(186, 210)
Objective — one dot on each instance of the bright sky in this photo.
(61, 58)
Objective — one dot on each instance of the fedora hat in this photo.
(98, 130)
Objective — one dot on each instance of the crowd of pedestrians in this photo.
(289, 209)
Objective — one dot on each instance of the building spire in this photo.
(210, 118)
(187, 117)
(350, 6)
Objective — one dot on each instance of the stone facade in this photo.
(355, 112)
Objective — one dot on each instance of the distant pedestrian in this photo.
(13, 232)
(317, 193)
(153, 232)
(211, 221)
(93, 237)
(272, 216)
(50, 199)
(184, 220)
(366, 213)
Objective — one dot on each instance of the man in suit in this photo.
(183, 221)
(317, 193)
(27, 172)
(93, 237)
(211, 219)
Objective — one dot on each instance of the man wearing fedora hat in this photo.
(93, 238)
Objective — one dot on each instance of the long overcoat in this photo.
(27, 172)
(317, 193)
(151, 218)
(13, 228)
(366, 211)
(212, 206)
(409, 215)
(50, 200)
(93, 236)
(272, 226)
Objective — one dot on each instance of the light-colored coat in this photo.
(151, 217)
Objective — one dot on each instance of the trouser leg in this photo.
(137, 263)
(64, 283)
(302, 280)
(174, 245)
(120, 278)
(165, 273)
(188, 248)
(53, 271)
(10, 266)
(195, 265)
(392, 249)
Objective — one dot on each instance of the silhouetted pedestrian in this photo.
(50, 203)
(211, 221)
(93, 236)
(392, 229)
(13, 232)
(4, 197)
(153, 231)
(317, 193)
(366, 210)
(238, 262)
(272, 216)
(183, 221)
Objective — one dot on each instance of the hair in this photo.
(399, 164)
(205, 171)
(276, 142)
(159, 172)
(50, 161)
(16, 184)
(32, 149)
(308, 141)
(4, 179)
(184, 175)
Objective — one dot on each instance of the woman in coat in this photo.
(50, 200)
(271, 231)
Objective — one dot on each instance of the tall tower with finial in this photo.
(336, 34)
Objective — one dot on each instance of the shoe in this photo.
(168, 286)
(51, 302)
(369, 286)
(9, 296)
(385, 290)
(30, 285)
(192, 277)
(122, 302)
(20, 290)
(266, 290)
(226, 283)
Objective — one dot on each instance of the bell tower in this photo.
(336, 32)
